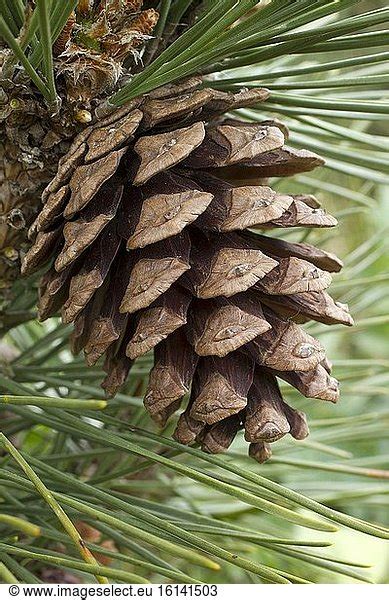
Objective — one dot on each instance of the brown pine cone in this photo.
(144, 226)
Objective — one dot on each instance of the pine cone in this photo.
(145, 223)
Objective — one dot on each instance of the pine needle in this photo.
(14, 45)
(42, 7)
(70, 403)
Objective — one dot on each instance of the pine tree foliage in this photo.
(147, 507)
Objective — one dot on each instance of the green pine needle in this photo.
(42, 8)
(70, 403)
(14, 45)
